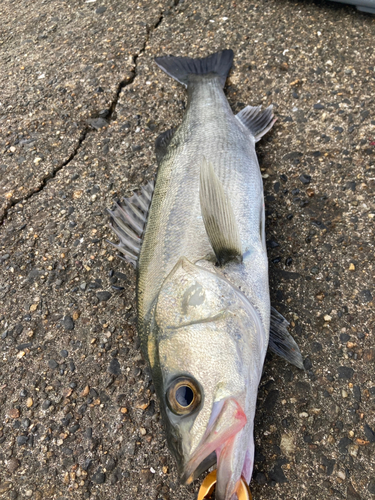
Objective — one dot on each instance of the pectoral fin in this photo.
(218, 216)
(281, 342)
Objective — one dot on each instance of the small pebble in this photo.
(85, 391)
(114, 367)
(52, 364)
(345, 372)
(366, 296)
(25, 423)
(46, 404)
(272, 243)
(21, 440)
(97, 123)
(287, 445)
(98, 477)
(74, 428)
(4, 487)
(76, 315)
(369, 433)
(88, 433)
(14, 413)
(12, 465)
(103, 296)
(353, 450)
(341, 475)
(100, 10)
(68, 323)
(305, 178)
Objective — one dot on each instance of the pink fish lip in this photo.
(228, 419)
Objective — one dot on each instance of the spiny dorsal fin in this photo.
(218, 216)
(161, 144)
(281, 342)
(128, 221)
(258, 121)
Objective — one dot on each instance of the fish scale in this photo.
(175, 227)
(204, 315)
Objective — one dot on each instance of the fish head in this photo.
(210, 350)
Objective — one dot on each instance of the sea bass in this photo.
(197, 241)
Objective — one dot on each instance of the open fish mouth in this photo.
(222, 443)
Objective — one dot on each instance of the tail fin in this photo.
(180, 68)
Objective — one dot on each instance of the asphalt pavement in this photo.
(81, 105)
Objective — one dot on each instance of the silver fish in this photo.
(204, 314)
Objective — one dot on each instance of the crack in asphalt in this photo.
(49, 176)
(130, 80)
(87, 129)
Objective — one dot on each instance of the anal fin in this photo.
(258, 121)
(281, 342)
(218, 216)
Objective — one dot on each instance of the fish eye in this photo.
(183, 396)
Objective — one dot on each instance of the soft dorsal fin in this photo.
(258, 121)
(162, 142)
(128, 221)
(281, 342)
(218, 216)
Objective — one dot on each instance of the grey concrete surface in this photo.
(78, 412)
(62, 64)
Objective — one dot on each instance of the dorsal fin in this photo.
(161, 144)
(128, 221)
(218, 216)
(258, 121)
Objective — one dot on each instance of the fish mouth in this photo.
(222, 443)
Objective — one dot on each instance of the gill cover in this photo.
(191, 294)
